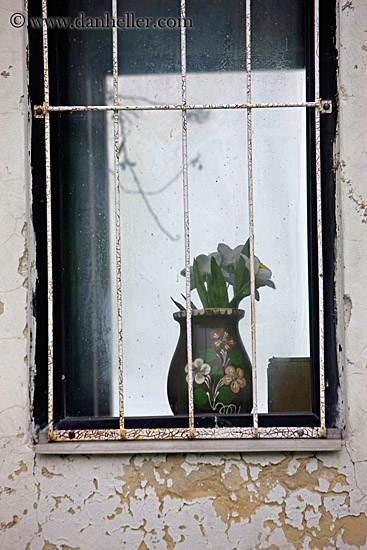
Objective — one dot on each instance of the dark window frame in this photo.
(328, 87)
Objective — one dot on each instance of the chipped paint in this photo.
(10, 524)
(22, 468)
(284, 505)
(46, 473)
(6, 73)
(347, 310)
(348, 5)
(23, 260)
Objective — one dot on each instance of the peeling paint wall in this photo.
(250, 501)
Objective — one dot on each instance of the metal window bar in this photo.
(117, 218)
(50, 327)
(186, 219)
(319, 221)
(250, 184)
(320, 106)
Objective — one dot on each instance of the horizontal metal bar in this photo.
(321, 104)
(332, 442)
(185, 433)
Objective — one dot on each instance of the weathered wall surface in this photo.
(273, 501)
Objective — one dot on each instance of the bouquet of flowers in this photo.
(222, 278)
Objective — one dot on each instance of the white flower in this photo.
(229, 257)
(262, 273)
(200, 371)
(204, 265)
(204, 262)
(263, 277)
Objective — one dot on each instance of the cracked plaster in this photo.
(249, 501)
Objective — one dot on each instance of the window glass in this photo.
(281, 237)
(152, 213)
(151, 251)
(82, 191)
(278, 54)
(80, 57)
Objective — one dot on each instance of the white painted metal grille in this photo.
(319, 107)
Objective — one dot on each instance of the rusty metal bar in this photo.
(319, 223)
(185, 433)
(320, 104)
(117, 217)
(50, 433)
(186, 217)
(251, 219)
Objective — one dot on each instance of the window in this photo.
(164, 145)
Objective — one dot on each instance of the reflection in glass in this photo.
(152, 250)
(80, 58)
(146, 53)
(84, 190)
(216, 52)
(278, 55)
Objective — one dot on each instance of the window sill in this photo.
(332, 442)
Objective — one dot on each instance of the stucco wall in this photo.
(286, 501)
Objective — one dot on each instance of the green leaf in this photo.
(218, 285)
(235, 302)
(211, 294)
(225, 395)
(246, 248)
(200, 397)
(192, 303)
(241, 276)
(235, 357)
(199, 282)
(177, 304)
(208, 354)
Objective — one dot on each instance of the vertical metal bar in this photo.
(319, 222)
(117, 216)
(186, 216)
(48, 222)
(251, 218)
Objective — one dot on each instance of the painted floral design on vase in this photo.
(222, 373)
